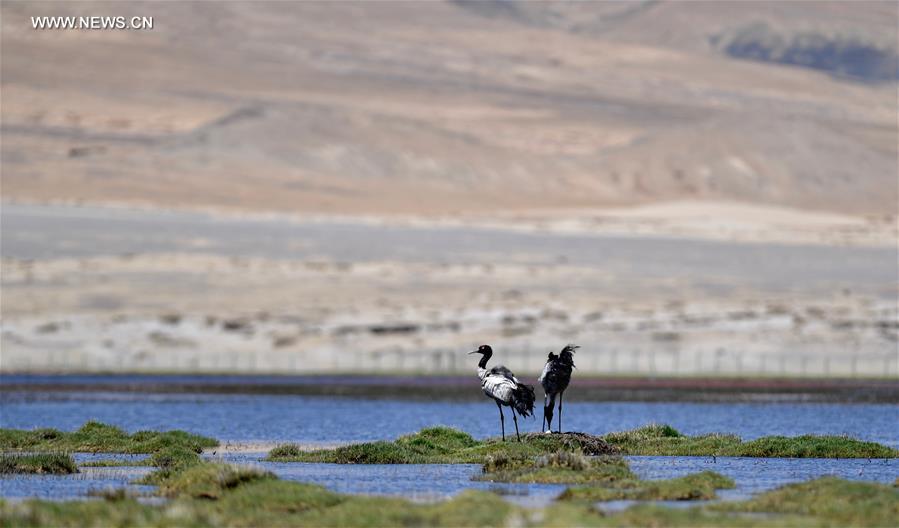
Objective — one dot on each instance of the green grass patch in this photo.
(840, 502)
(214, 494)
(565, 514)
(608, 478)
(37, 463)
(561, 467)
(170, 451)
(812, 446)
(211, 494)
(443, 445)
(209, 480)
(96, 437)
(170, 462)
(664, 440)
(697, 486)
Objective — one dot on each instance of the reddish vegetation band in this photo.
(459, 387)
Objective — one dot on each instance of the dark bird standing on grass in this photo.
(555, 378)
(500, 384)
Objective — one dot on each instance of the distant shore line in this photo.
(456, 387)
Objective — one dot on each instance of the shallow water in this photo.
(421, 482)
(431, 482)
(269, 418)
(754, 475)
(66, 487)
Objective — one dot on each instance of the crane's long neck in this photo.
(482, 365)
(484, 359)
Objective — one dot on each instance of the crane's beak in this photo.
(474, 352)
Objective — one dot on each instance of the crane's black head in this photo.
(570, 348)
(483, 349)
(567, 354)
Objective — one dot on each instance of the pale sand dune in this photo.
(714, 220)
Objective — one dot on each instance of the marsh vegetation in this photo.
(602, 478)
(37, 463)
(442, 445)
(96, 437)
(199, 492)
(213, 494)
(664, 440)
(167, 450)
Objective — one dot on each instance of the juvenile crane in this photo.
(555, 378)
(504, 388)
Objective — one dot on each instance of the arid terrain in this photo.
(293, 187)
(105, 289)
(455, 107)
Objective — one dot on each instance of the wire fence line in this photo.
(523, 360)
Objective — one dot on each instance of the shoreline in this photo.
(642, 389)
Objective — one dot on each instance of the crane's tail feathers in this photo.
(523, 399)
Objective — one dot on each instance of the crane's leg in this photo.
(548, 403)
(515, 419)
(502, 421)
(560, 410)
(545, 399)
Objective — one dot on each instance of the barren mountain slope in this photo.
(433, 108)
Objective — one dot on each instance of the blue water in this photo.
(266, 418)
(753, 475)
(270, 419)
(59, 487)
(435, 481)
(421, 482)
(431, 482)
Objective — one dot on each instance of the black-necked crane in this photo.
(504, 388)
(555, 378)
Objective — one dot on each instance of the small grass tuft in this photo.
(210, 480)
(111, 494)
(497, 462)
(561, 467)
(696, 486)
(38, 463)
(813, 446)
(838, 502)
(177, 457)
(439, 439)
(563, 459)
(285, 451)
(169, 462)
